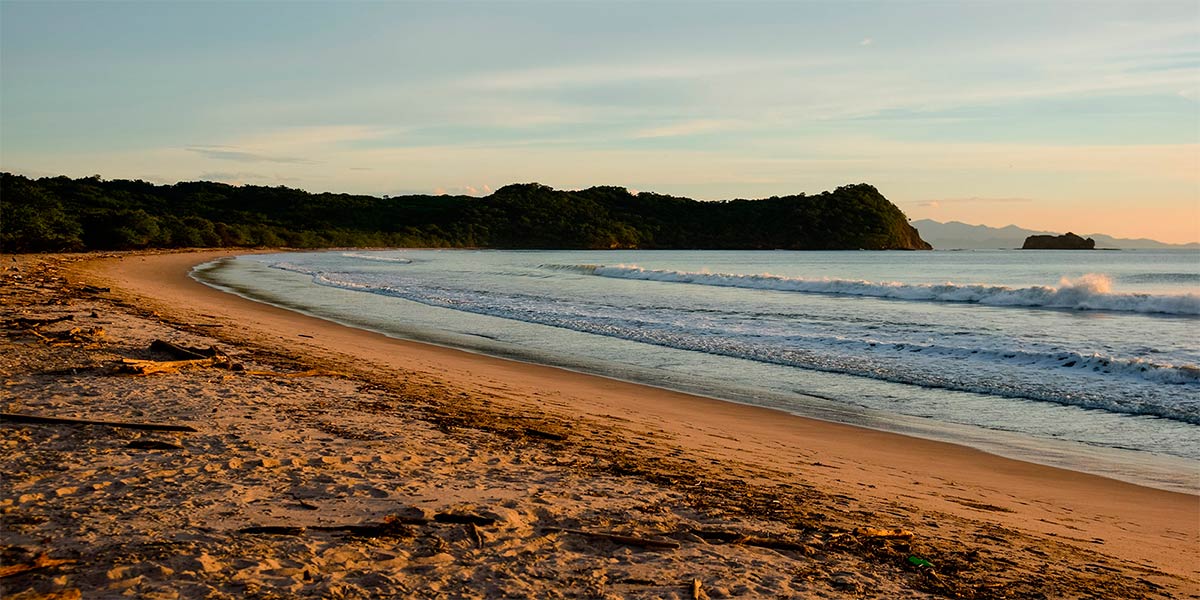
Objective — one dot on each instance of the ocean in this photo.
(1087, 360)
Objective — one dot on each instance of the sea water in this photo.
(1088, 360)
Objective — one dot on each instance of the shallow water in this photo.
(1086, 360)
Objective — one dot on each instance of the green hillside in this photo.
(64, 214)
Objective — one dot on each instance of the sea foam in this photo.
(1089, 292)
(377, 257)
(1090, 379)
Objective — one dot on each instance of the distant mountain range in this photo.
(955, 235)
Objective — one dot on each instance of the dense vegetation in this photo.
(60, 213)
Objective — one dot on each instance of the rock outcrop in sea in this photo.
(1067, 241)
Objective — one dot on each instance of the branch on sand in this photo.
(193, 357)
(42, 561)
(28, 323)
(19, 418)
(188, 357)
(627, 540)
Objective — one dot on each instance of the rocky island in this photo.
(1067, 241)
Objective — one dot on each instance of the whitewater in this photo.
(1089, 292)
(1085, 360)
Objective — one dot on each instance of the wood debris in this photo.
(741, 539)
(7, 417)
(627, 540)
(873, 532)
(184, 352)
(42, 561)
(28, 323)
(150, 367)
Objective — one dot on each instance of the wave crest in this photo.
(1088, 292)
(377, 258)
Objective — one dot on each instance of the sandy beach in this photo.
(336, 463)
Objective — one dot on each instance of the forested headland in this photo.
(55, 214)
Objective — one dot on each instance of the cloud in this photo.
(593, 74)
(314, 136)
(246, 178)
(683, 128)
(866, 42)
(463, 190)
(974, 200)
(230, 176)
(228, 153)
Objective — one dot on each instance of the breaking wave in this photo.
(1089, 379)
(377, 257)
(1089, 292)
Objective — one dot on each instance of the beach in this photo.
(337, 462)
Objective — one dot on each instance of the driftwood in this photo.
(545, 435)
(627, 540)
(184, 352)
(872, 532)
(731, 537)
(77, 335)
(71, 594)
(697, 592)
(149, 367)
(308, 373)
(187, 357)
(190, 356)
(19, 418)
(463, 518)
(392, 525)
(153, 445)
(42, 561)
(27, 323)
(272, 530)
(384, 529)
(475, 534)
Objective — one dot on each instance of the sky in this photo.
(1080, 116)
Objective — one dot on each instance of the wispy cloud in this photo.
(974, 200)
(231, 176)
(683, 128)
(304, 137)
(591, 74)
(463, 190)
(247, 178)
(228, 153)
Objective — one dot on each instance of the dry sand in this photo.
(465, 471)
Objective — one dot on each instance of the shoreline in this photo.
(1138, 467)
(757, 415)
(968, 509)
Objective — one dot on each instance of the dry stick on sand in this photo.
(627, 540)
(476, 534)
(391, 525)
(873, 532)
(28, 323)
(741, 539)
(19, 418)
(149, 367)
(189, 357)
(189, 353)
(184, 352)
(40, 562)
